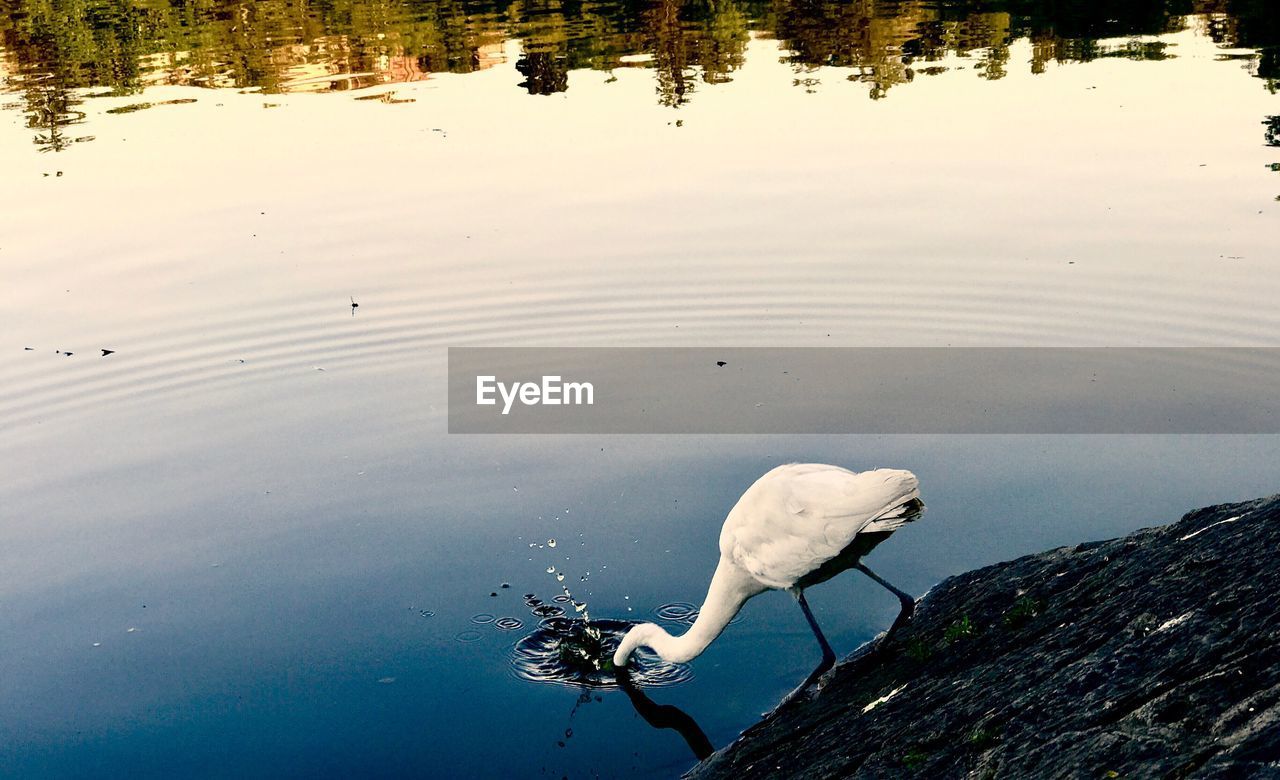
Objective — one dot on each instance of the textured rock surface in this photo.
(1155, 655)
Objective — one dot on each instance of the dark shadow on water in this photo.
(665, 716)
(577, 653)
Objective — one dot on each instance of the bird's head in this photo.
(643, 634)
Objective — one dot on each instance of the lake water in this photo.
(243, 544)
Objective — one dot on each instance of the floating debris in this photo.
(106, 352)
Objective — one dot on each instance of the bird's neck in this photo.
(730, 588)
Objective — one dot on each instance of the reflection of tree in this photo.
(695, 39)
(50, 108)
(1248, 24)
(670, 52)
(544, 72)
(54, 47)
(1273, 130)
(543, 31)
(722, 43)
(848, 35)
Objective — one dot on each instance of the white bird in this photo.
(797, 526)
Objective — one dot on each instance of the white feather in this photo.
(797, 517)
(791, 522)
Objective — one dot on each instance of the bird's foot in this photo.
(803, 692)
(904, 617)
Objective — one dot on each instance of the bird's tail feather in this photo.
(898, 516)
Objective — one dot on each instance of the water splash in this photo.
(577, 650)
(568, 651)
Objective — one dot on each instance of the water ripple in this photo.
(561, 651)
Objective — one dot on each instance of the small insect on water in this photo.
(354, 305)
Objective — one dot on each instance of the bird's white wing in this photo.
(798, 517)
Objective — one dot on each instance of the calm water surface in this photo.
(242, 542)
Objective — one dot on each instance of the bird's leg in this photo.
(828, 656)
(908, 603)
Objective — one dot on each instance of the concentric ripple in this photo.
(678, 611)
(683, 612)
(561, 651)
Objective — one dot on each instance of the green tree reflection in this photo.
(51, 51)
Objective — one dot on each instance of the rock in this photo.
(1154, 655)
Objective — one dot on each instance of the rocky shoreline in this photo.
(1153, 655)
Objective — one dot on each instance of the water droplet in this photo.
(386, 680)
(482, 619)
(551, 542)
(470, 635)
(551, 570)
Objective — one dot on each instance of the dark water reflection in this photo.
(50, 48)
